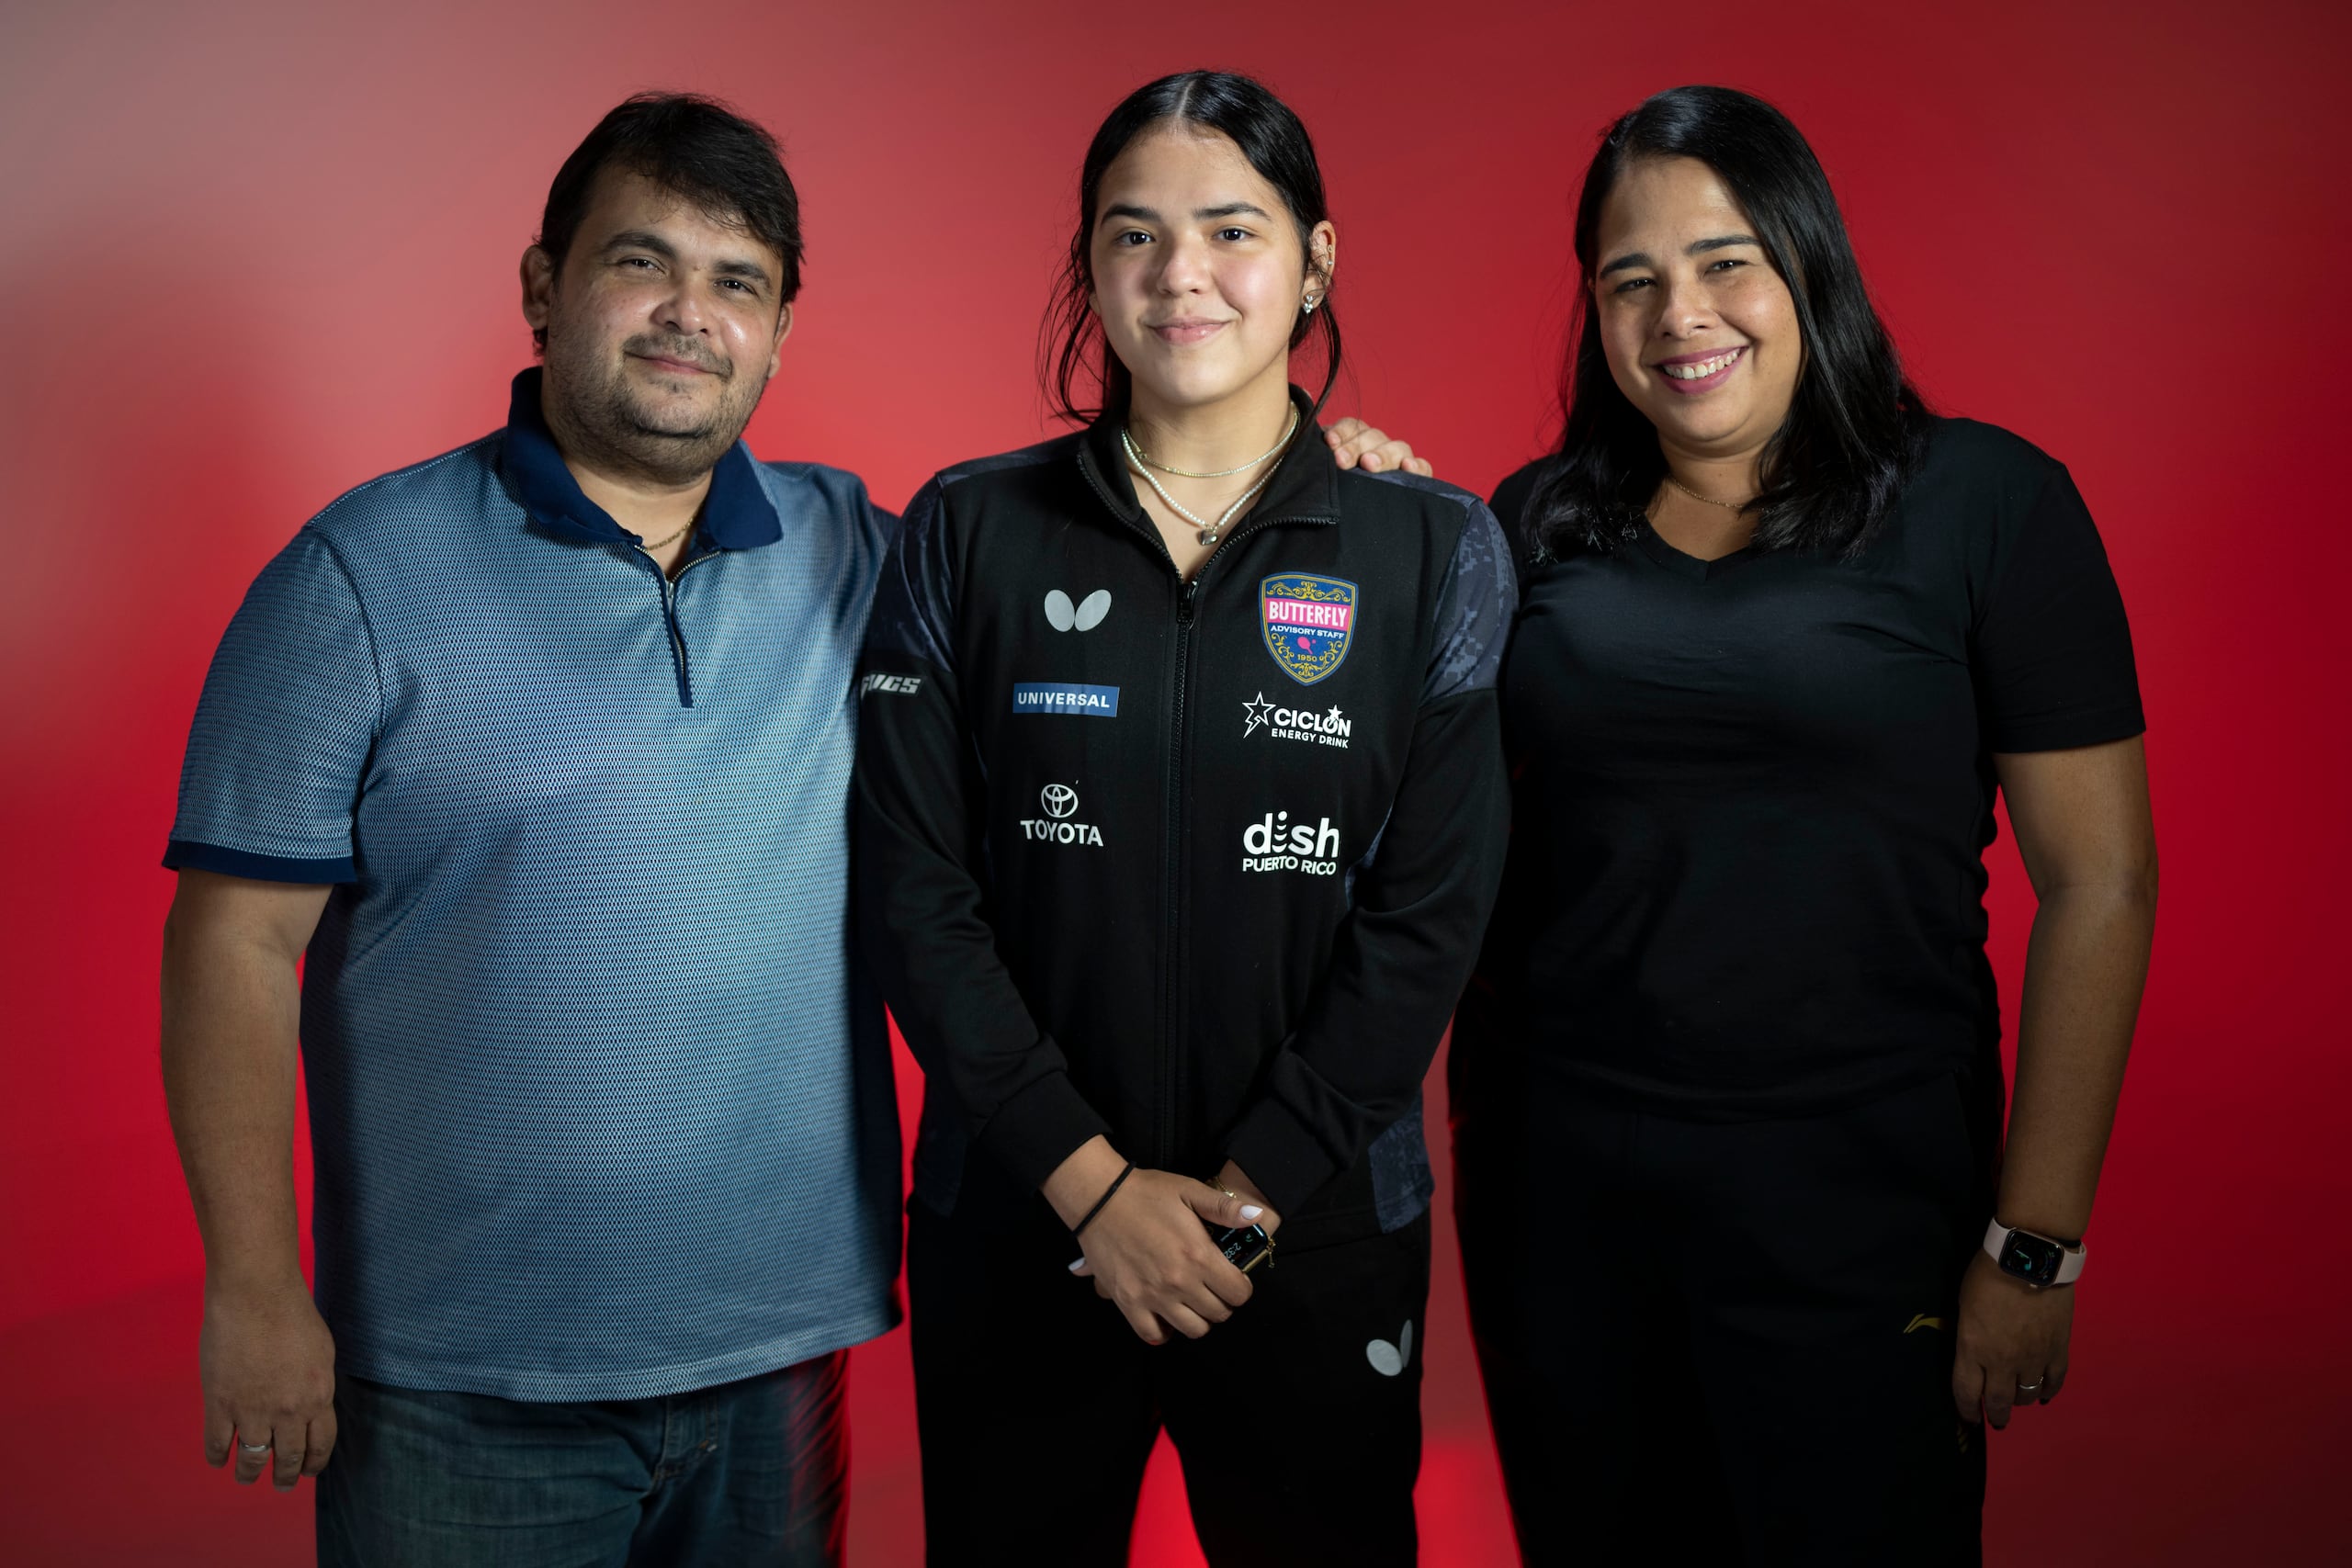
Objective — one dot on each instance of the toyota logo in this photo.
(1059, 800)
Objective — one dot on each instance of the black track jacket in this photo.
(1202, 868)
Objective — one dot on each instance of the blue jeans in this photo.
(749, 1472)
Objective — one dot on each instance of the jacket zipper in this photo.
(1172, 838)
(1171, 832)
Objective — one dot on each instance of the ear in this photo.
(775, 350)
(538, 287)
(1323, 253)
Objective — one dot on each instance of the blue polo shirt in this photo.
(600, 1107)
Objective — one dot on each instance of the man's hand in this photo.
(2011, 1348)
(269, 1367)
(1354, 442)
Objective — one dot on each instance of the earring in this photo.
(1312, 301)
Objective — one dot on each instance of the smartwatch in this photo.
(2036, 1259)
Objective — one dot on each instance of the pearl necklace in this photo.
(1209, 530)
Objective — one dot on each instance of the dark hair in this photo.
(1855, 427)
(697, 147)
(1070, 346)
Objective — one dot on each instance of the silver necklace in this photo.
(1149, 461)
(1209, 530)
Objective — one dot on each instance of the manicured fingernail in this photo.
(1251, 1211)
(1077, 1264)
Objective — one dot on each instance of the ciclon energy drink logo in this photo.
(1060, 803)
(1309, 621)
(1276, 843)
(1331, 728)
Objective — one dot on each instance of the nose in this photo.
(1683, 308)
(680, 310)
(1184, 269)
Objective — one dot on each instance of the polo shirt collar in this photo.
(736, 515)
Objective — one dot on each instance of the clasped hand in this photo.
(1149, 1254)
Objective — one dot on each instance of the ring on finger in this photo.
(245, 1448)
(2029, 1387)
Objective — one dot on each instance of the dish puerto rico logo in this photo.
(1309, 621)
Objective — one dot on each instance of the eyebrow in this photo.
(647, 240)
(751, 270)
(1696, 248)
(1200, 214)
(639, 240)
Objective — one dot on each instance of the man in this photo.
(541, 751)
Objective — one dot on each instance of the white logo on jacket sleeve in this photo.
(1084, 616)
(1060, 803)
(904, 686)
(1276, 843)
(1330, 728)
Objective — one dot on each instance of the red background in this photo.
(254, 253)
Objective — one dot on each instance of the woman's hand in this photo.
(1149, 1255)
(1232, 1179)
(2011, 1346)
(1147, 1250)
(1352, 442)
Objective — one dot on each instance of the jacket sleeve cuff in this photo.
(1034, 1131)
(1277, 1153)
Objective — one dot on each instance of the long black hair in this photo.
(1071, 351)
(1855, 428)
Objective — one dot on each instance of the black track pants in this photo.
(1298, 1421)
(1725, 1343)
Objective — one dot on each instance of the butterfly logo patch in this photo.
(1309, 621)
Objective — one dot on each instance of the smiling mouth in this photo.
(1186, 330)
(1700, 369)
(669, 366)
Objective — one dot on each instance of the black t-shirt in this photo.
(1753, 794)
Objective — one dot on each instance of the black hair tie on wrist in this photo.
(1117, 1182)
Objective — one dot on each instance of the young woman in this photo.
(1182, 810)
(1728, 1086)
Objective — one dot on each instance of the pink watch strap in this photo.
(2070, 1261)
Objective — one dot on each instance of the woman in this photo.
(1728, 1086)
(1182, 811)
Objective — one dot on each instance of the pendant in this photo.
(1208, 535)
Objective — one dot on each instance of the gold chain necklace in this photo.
(1209, 530)
(651, 545)
(1147, 458)
(1709, 500)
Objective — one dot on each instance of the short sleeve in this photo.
(2052, 654)
(270, 786)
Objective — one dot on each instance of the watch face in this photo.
(1245, 1246)
(2031, 1258)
